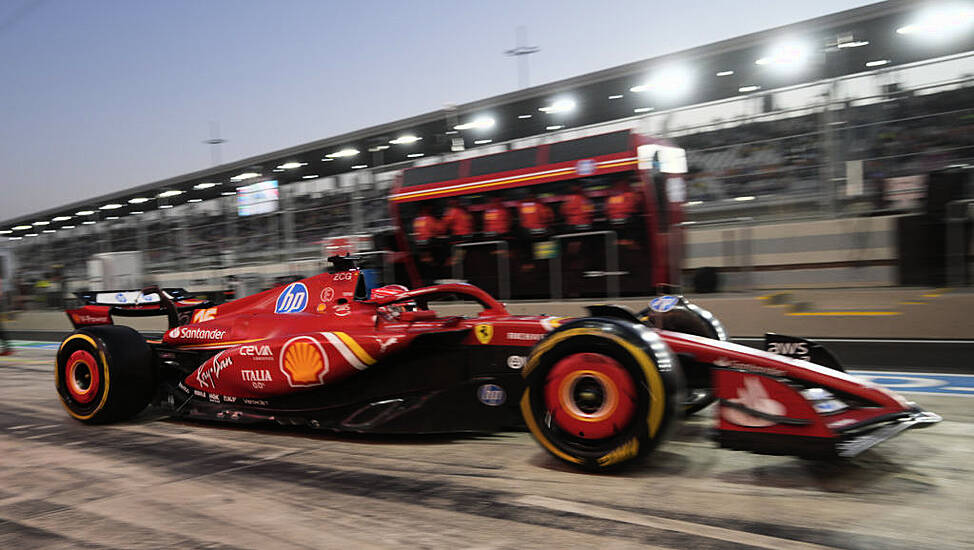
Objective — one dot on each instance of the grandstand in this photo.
(771, 134)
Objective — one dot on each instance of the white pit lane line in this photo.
(656, 522)
(930, 383)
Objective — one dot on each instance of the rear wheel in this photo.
(104, 374)
(601, 392)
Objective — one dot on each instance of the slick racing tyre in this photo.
(104, 374)
(690, 318)
(601, 392)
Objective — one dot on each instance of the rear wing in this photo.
(100, 306)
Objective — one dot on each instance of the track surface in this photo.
(156, 483)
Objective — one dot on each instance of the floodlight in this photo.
(786, 55)
(560, 106)
(347, 152)
(673, 81)
(405, 140)
(940, 22)
(244, 176)
(476, 124)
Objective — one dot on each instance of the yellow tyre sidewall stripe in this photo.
(528, 415)
(104, 367)
(657, 389)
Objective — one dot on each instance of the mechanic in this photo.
(497, 218)
(457, 221)
(535, 216)
(426, 227)
(577, 209)
(622, 204)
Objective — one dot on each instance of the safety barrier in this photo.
(958, 212)
(735, 246)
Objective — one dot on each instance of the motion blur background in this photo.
(832, 152)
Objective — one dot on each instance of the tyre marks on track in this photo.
(216, 463)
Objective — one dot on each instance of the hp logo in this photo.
(491, 394)
(293, 299)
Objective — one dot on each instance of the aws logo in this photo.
(484, 333)
(303, 362)
(790, 349)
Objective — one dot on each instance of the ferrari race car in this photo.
(596, 392)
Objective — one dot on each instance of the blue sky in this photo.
(101, 95)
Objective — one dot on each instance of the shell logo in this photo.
(303, 362)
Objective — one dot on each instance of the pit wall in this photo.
(847, 252)
(803, 254)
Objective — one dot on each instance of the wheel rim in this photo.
(590, 396)
(81, 376)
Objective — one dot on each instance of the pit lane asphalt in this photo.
(156, 483)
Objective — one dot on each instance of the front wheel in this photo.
(601, 392)
(689, 318)
(104, 374)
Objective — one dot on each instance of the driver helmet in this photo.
(391, 312)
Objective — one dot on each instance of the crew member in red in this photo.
(535, 215)
(457, 221)
(426, 226)
(497, 218)
(577, 209)
(622, 203)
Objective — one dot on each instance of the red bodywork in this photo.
(321, 330)
(315, 332)
(267, 347)
(760, 393)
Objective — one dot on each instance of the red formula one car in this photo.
(595, 391)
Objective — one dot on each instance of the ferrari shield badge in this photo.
(484, 333)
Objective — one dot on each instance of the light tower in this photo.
(521, 51)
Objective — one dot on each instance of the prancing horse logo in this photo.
(484, 333)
